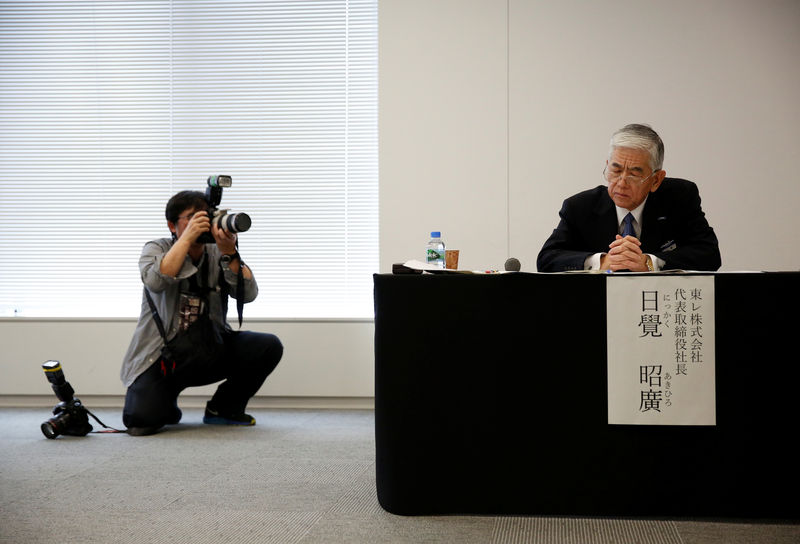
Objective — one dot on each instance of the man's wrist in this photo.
(227, 258)
(594, 262)
(648, 262)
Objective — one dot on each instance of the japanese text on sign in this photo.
(661, 350)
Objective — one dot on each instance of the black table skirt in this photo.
(491, 398)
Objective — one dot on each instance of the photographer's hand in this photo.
(226, 242)
(198, 223)
(187, 230)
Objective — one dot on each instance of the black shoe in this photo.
(143, 431)
(212, 417)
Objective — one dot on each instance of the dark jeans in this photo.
(152, 400)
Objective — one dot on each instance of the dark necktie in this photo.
(627, 229)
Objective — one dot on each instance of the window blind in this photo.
(107, 108)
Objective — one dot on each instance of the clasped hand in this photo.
(624, 254)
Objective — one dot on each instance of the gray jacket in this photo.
(145, 347)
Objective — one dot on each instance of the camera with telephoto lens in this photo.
(231, 222)
(70, 417)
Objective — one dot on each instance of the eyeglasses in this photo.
(188, 216)
(615, 175)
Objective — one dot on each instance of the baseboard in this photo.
(198, 401)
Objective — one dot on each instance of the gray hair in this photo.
(640, 137)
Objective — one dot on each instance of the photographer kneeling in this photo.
(184, 305)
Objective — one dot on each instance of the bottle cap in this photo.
(436, 234)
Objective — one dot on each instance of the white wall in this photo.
(488, 102)
(443, 121)
(718, 79)
(491, 113)
(332, 359)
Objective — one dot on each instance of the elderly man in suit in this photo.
(641, 220)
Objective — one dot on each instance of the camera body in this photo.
(231, 222)
(70, 417)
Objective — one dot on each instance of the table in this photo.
(491, 398)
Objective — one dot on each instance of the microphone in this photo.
(512, 265)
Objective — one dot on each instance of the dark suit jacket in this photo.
(674, 228)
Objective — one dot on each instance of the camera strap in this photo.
(109, 429)
(156, 317)
(194, 287)
(240, 291)
(239, 297)
(199, 283)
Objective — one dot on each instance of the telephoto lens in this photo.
(235, 222)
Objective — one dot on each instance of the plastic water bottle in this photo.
(435, 250)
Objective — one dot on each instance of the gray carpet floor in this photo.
(299, 476)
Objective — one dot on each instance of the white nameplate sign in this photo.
(661, 351)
